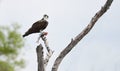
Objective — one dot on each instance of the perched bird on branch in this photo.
(38, 26)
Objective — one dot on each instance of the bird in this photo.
(38, 26)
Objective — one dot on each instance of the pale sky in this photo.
(98, 51)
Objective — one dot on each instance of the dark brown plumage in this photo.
(37, 26)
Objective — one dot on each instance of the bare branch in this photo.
(46, 60)
(50, 52)
(43, 36)
(39, 50)
(74, 41)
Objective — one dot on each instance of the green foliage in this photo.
(4, 66)
(11, 43)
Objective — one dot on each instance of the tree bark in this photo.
(74, 41)
(42, 63)
(40, 59)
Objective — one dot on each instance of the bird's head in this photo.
(45, 17)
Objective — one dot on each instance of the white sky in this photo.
(98, 51)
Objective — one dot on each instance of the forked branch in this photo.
(42, 63)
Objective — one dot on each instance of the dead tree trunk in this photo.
(42, 63)
(40, 59)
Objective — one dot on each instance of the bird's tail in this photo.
(23, 35)
(26, 34)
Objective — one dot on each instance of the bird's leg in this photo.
(39, 36)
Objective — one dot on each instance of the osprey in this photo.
(38, 26)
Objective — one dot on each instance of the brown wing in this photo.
(36, 27)
(40, 25)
